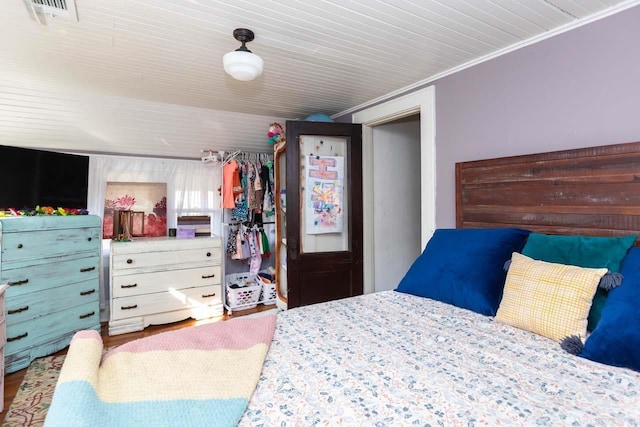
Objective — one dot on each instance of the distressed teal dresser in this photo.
(52, 266)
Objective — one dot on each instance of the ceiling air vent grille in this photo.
(57, 8)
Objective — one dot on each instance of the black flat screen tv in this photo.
(33, 178)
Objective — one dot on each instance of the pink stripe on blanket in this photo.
(231, 334)
(88, 334)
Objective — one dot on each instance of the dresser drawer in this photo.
(169, 300)
(49, 243)
(165, 260)
(46, 276)
(164, 244)
(52, 326)
(29, 306)
(145, 283)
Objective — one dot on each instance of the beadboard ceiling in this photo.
(145, 77)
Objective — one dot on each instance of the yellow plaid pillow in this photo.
(552, 300)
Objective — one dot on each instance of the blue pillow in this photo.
(464, 267)
(616, 339)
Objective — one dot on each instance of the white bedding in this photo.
(389, 359)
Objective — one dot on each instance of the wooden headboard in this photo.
(590, 191)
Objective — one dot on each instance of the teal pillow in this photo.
(582, 251)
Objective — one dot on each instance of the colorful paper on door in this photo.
(324, 195)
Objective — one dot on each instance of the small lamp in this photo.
(242, 64)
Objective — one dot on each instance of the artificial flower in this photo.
(43, 210)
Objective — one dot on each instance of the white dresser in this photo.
(160, 280)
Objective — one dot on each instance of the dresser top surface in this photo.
(47, 222)
(145, 244)
(163, 239)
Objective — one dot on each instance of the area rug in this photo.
(30, 406)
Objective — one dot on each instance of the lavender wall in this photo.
(578, 89)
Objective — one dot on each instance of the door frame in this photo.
(419, 102)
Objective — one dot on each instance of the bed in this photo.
(441, 350)
(389, 358)
(393, 358)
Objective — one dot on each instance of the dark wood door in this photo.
(324, 211)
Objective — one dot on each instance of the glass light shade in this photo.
(242, 65)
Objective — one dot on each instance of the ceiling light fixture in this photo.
(242, 64)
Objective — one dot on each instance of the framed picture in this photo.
(135, 209)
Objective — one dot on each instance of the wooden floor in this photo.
(12, 381)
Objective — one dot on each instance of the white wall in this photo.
(396, 216)
(38, 114)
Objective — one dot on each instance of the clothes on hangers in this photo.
(241, 210)
(268, 206)
(250, 196)
(229, 170)
(265, 250)
(249, 244)
(251, 186)
(255, 259)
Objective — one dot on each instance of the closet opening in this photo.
(422, 103)
(396, 199)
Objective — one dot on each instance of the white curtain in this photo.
(192, 189)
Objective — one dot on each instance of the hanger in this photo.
(232, 156)
(240, 155)
(210, 157)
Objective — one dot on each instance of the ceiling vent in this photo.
(64, 9)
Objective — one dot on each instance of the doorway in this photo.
(420, 103)
(396, 200)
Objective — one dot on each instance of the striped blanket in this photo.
(198, 376)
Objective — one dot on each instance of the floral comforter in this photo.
(391, 359)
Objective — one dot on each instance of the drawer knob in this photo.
(129, 307)
(209, 276)
(83, 293)
(84, 270)
(88, 239)
(129, 261)
(84, 316)
(208, 253)
(19, 282)
(129, 286)
(20, 246)
(18, 310)
(209, 295)
(19, 337)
